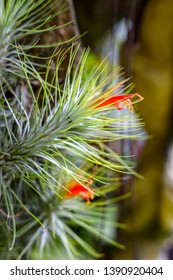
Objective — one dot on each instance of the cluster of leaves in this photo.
(60, 137)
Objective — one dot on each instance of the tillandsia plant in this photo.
(21, 23)
(56, 171)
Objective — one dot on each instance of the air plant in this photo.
(53, 154)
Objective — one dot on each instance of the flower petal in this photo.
(77, 189)
(120, 101)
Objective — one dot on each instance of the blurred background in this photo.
(138, 36)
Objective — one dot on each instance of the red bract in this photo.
(76, 189)
(120, 101)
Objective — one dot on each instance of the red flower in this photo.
(120, 101)
(75, 189)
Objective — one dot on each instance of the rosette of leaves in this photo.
(25, 24)
(44, 147)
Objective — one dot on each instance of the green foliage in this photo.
(21, 23)
(51, 136)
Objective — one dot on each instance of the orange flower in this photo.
(120, 101)
(75, 189)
